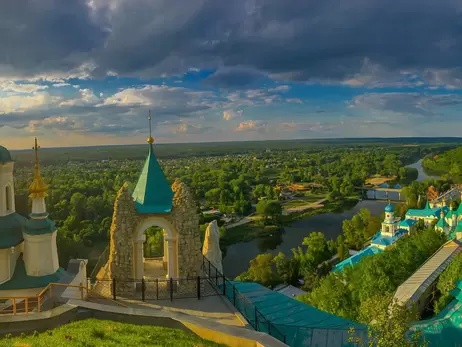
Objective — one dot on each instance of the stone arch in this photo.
(126, 235)
(170, 244)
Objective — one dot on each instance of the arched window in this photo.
(8, 198)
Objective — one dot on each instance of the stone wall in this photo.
(185, 219)
(120, 263)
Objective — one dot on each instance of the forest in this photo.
(83, 185)
(448, 164)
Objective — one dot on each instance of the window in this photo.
(8, 198)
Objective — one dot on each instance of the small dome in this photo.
(389, 208)
(5, 156)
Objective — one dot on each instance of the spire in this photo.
(38, 188)
(153, 193)
(150, 138)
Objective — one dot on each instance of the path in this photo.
(243, 221)
(300, 209)
(213, 308)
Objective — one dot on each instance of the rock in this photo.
(211, 249)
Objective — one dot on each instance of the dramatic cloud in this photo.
(355, 42)
(406, 103)
(313, 68)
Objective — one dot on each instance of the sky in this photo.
(86, 72)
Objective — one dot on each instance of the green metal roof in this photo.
(5, 155)
(153, 193)
(39, 226)
(301, 324)
(446, 328)
(11, 228)
(21, 280)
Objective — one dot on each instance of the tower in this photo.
(390, 223)
(7, 205)
(40, 251)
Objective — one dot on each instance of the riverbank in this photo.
(256, 229)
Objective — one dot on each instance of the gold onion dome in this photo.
(150, 140)
(38, 188)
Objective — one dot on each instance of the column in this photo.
(165, 257)
(139, 257)
(171, 260)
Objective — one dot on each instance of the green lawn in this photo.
(309, 199)
(99, 333)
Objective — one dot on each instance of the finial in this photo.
(38, 188)
(150, 138)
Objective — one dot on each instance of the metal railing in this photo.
(38, 303)
(153, 289)
(247, 308)
(102, 260)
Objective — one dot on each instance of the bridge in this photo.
(365, 189)
(380, 189)
(454, 192)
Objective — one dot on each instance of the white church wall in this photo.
(4, 265)
(40, 254)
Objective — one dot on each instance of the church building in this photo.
(28, 252)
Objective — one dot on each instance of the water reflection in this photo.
(239, 255)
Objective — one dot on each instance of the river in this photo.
(422, 175)
(239, 255)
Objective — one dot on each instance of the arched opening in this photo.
(154, 253)
(9, 203)
(155, 249)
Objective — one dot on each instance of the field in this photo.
(99, 333)
(378, 180)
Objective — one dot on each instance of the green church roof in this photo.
(5, 156)
(11, 228)
(153, 193)
(21, 280)
(39, 226)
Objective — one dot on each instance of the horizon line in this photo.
(318, 139)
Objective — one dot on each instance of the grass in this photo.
(99, 333)
(303, 201)
(246, 232)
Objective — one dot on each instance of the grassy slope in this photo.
(98, 333)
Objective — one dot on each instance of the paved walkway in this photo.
(212, 308)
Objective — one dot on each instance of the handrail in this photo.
(271, 327)
(36, 298)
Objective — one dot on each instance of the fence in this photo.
(41, 302)
(255, 318)
(153, 289)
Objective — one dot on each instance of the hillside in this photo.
(99, 333)
(449, 163)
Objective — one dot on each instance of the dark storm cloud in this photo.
(45, 36)
(235, 78)
(297, 40)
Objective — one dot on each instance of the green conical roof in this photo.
(153, 193)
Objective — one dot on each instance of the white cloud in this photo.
(87, 97)
(61, 84)
(228, 115)
(12, 86)
(187, 128)
(61, 123)
(21, 103)
(251, 125)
